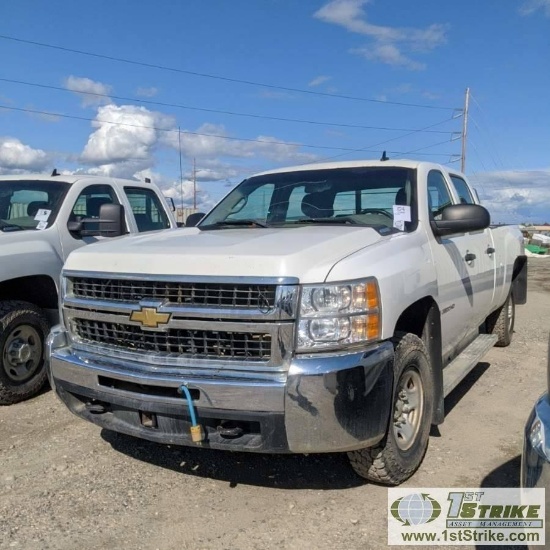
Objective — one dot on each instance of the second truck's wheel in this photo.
(401, 451)
(501, 322)
(23, 330)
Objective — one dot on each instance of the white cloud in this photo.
(181, 192)
(387, 42)
(318, 80)
(390, 55)
(15, 155)
(147, 92)
(205, 143)
(129, 143)
(531, 6)
(85, 86)
(430, 95)
(515, 196)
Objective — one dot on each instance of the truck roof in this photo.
(395, 163)
(73, 178)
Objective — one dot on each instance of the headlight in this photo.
(339, 314)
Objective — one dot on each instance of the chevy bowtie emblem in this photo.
(149, 317)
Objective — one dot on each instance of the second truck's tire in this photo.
(501, 322)
(400, 453)
(23, 330)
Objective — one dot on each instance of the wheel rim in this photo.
(409, 405)
(22, 353)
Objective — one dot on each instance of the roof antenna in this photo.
(55, 172)
(384, 157)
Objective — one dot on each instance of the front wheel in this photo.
(23, 329)
(401, 451)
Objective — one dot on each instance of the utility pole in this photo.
(181, 175)
(464, 130)
(194, 184)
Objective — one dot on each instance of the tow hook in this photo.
(229, 430)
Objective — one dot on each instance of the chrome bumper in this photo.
(535, 459)
(324, 403)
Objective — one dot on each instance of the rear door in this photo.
(486, 269)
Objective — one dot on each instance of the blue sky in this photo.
(347, 67)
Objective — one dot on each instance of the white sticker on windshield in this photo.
(399, 224)
(42, 225)
(42, 215)
(402, 213)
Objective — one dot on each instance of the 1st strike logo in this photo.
(149, 317)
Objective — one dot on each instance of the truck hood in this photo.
(307, 253)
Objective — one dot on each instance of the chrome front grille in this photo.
(193, 294)
(207, 344)
(240, 324)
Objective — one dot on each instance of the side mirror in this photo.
(193, 219)
(111, 220)
(109, 224)
(461, 218)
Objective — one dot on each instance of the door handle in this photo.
(490, 250)
(470, 257)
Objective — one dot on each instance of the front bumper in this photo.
(535, 459)
(324, 403)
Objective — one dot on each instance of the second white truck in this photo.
(320, 308)
(43, 219)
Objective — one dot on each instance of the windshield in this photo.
(28, 205)
(365, 196)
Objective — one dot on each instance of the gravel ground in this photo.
(65, 484)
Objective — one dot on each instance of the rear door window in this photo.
(463, 191)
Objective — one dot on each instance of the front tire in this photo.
(401, 451)
(23, 330)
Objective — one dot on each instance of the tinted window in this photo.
(30, 204)
(463, 190)
(147, 209)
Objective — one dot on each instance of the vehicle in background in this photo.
(320, 308)
(535, 458)
(42, 220)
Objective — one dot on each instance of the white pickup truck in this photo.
(43, 219)
(321, 308)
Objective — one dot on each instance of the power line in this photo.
(218, 77)
(426, 147)
(187, 132)
(368, 147)
(217, 111)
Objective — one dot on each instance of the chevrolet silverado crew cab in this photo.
(43, 219)
(321, 308)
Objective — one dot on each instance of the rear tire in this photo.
(401, 451)
(23, 330)
(501, 322)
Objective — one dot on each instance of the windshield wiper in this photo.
(340, 221)
(244, 223)
(5, 227)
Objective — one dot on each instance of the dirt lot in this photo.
(65, 484)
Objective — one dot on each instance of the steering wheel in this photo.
(376, 211)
